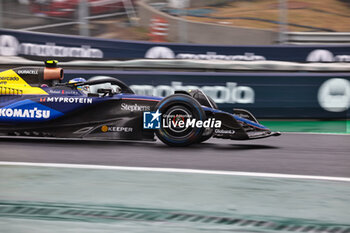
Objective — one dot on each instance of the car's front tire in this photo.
(177, 108)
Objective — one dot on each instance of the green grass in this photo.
(310, 126)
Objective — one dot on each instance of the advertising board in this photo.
(39, 45)
(267, 95)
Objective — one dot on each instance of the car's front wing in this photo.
(236, 127)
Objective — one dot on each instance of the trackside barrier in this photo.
(43, 46)
(190, 65)
(340, 38)
(267, 95)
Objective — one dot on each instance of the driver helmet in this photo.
(84, 88)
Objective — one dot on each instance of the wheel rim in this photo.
(173, 118)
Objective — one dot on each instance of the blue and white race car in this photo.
(35, 103)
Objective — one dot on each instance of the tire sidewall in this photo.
(181, 102)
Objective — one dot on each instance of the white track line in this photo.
(176, 170)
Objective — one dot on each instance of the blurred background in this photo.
(286, 61)
(131, 19)
(281, 59)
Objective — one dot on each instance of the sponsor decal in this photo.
(55, 91)
(224, 131)
(5, 80)
(134, 107)
(9, 78)
(164, 52)
(70, 100)
(106, 128)
(27, 72)
(10, 46)
(323, 55)
(334, 95)
(151, 120)
(27, 111)
(231, 93)
(67, 92)
(34, 113)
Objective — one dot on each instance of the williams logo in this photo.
(151, 120)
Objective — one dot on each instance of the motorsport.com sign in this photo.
(10, 46)
(17, 43)
(316, 55)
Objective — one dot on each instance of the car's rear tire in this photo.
(177, 108)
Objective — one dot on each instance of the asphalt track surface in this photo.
(301, 154)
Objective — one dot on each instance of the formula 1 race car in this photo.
(35, 103)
